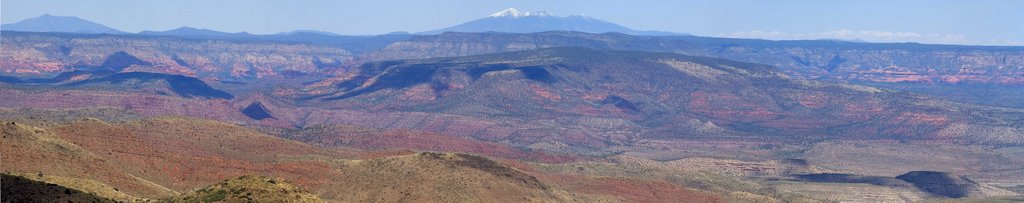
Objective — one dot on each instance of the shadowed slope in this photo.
(119, 61)
(184, 86)
(941, 184)
(20, 189)
(257, 111)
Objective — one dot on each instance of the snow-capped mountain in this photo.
(513, 21)
(512, 12)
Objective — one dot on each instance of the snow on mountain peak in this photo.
(538, 13)
(512, 12)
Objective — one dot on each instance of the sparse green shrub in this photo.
(215, 196)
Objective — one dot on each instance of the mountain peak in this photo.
(513, 21)
(52, 23)
(510, 12)
(48, 17)
(539, 13)
(184, 28)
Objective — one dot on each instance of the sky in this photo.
(985, 22)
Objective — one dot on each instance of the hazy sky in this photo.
(929, 21)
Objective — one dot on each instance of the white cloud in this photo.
(1006, 42)
(869, 36)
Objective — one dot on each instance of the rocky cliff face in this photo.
(45, 54)
(806, 59)
(596, 98)
(39, 54)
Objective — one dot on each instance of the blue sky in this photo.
(931, 21)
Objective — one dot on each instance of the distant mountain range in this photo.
(70, 24)
(512, 21)
(194, 32)
(301, 32)
(49, 23)
(506, 21)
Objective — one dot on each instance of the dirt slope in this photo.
(248, 189)
(28, 149)
(437, 177)
(155, 158)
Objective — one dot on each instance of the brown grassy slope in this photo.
(86, 185)
(377, 139)
(135, 102)
(248, 189)
(28, 149)
(183, 153)
(437, 177)
(627, 188)
(44, 118)
(632, 190)
(648, 180)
